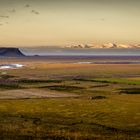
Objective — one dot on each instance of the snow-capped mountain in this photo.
(106, 45)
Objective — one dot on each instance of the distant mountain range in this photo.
(10, 52)
(107, 45)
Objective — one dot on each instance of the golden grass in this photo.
(73, 117)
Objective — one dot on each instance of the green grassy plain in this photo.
(107, 105)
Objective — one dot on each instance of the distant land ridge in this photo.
(11, 52)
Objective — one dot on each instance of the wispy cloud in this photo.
(35, 12)
(102, 19)
(4, 16)
(27, 5)
(32, 11)
(12, 11)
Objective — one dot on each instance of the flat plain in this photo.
(64, 99)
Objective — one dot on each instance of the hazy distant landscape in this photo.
(80, 51)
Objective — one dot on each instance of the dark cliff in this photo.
(10, 52)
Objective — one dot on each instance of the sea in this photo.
(41, 51)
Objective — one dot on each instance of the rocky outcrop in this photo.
(11, 52)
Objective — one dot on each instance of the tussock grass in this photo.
(67, 119)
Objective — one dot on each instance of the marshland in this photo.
(50, 100)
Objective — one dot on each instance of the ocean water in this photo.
(10, 66)
(77, 52)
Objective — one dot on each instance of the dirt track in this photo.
(32, 93)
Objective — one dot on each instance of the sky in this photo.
(65, 22)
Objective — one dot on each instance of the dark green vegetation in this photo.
(112, 80)
(131, 90)
(106, 108)
(37, 81)
(9, 86)
(5, 76)
(63, 88)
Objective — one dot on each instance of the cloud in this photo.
(3, 16)
(102, 19)
(27, 6)
(35, 12)
(32, 11)
(12, 11)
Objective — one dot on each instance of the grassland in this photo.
(95, 101)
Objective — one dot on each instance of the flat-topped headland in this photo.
(10, 52)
